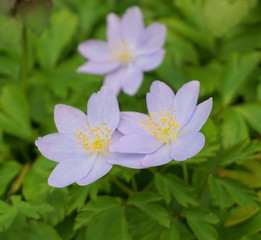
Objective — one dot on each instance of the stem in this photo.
(134, 183)
(24, 61)
(123, 187)
(185, 172)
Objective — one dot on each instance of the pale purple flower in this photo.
(81, 145)
(131, 50)
(170, 131)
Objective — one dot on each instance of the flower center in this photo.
(94, 140)
(121, 52)
(161, 125)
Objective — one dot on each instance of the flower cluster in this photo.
(88, 145)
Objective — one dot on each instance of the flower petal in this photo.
(132, 79)
(186, 101)
(135, 143)
(198, 118)
(68, 118)
(95, 50)
(160, 97)
(98, 68)
(187, 146)
(129, 160)
(60, 147)
(68, 172)
(132, 25)
(99, 169)
(152, 39)
(113, 28)
(114, 80)
(130, 122)
(150, 61)
(103, 107)
(159, 157)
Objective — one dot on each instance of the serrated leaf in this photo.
(163, 187)
(252, 113)
(144, 197)
(10, 31)
(7, 215)
(6, 5)
(35, 14)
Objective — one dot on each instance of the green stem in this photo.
(123, 187)
(185, 171)
(24, 61)
(134, 183)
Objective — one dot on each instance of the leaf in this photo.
(55, 39)
(15, 116)
(221, 15)
(35, 14)
(199, 221)
(10, 31)
(7, 172)
(94, 207)
(154, 211)
(252, 113)
(7, 215)
(172, 232)
(239, 215)
(170, 184)
(234, 128)
(6, 5)
(235, 73)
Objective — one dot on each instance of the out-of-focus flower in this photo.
(171, 131)
(131, 49)
(81, 145)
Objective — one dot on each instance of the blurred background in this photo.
(215, 196)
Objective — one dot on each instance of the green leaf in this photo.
(94, 207)
(234, 128)
(35, 14)
(54, 40)
(252, 113)
(221, 15)
(110, 223)
(172, 232)
(10, 31)
(6, 5)
(7, 215)
(170, 184)
(239, 215)
(15, 112)
(199, 221)
(236, 72)
(7, 172)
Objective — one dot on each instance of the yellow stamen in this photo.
(121, 52)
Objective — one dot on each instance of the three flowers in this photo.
(87, 146)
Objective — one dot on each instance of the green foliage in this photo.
(216, 196)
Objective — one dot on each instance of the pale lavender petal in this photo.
(103, 107)
(150, 61)
(186, 101)
(132, 25)
(135, 143)
(159, 157)
(187, 146)
(113, 28)
(160, 98)
(95, 50)
(152, 39)
(68, 118)
(60, 147)
(198, 118)
(114, 80)
(132, 79)
(129, 160)
(99, 169)
(130, 122)
(68, 172)
(98, 68)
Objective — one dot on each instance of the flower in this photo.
(170, 131)
(131, 49)
(81, 146)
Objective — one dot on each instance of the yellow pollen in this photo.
(161, 125)
(93, 140)
(121, 52)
